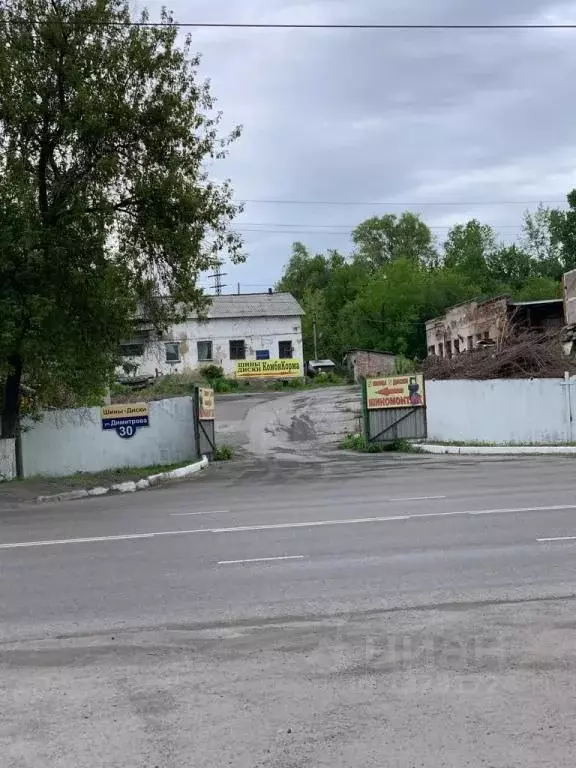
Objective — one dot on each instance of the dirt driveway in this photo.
(303, 426)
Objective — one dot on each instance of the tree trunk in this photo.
(11, 398)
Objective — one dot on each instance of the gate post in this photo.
(365, 416)
(197, 421)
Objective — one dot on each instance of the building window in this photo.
(456, 346)
(132, 350)
(470, 343)
(284, 349)
(172, 351)
(486, 334)
(440, 350)
(449, 350)
(432, 350)
(204, 351)
(237, 350)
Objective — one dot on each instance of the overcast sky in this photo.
(396, 119)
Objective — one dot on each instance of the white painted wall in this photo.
(7, 460)
(258, 333)
(501, 410)
(65, 442)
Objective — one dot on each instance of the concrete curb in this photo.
(496, 450)
(130, 486)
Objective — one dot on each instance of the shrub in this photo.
(359, 443)
(211, 372)
(224, 385)
(173, 385)
(223, 453)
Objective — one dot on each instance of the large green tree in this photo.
(540, 241)
(509, 266)
(468, 249)
(106, 207)
(382, 294)
(563, 232)
(383, 239)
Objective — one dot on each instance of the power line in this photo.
(408, 205)
(353, 226)
(299, 26)
(341, 233)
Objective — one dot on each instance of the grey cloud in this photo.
(394, 116)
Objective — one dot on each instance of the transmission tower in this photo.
(217, 277)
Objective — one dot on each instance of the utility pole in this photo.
(238, 289)
(315, 341)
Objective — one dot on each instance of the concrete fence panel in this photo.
(501, 410)
(65, 442)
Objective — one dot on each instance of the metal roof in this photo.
(254, 305)
(535, 303)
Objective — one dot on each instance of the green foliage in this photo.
(106, 132)
(223, 453)
(403, 366)
(224, 385)
(541, 243)
(510, 267)
(537, 288)
(359, 443)
(381, 295)
(211, 372)
(382, 240)
(563, 232)
(468, 250)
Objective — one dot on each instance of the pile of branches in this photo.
(523, 356)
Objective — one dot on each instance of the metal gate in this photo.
(394, 408)
(204, 416)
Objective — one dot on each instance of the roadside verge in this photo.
(130, 486)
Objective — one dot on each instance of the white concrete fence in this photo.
(502, 410)
(64, 442)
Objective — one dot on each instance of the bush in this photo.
(359, 443)
(211, 372)
(223, 453)
(173, 385)
(224, 385)
(117, 389)
(403, 366)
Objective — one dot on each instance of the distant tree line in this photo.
(398, 276)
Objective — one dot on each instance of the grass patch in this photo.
(105, 478)
(223, 453)
(360, 444)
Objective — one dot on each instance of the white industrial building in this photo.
(263, 327)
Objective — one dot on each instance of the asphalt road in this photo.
(363, 611)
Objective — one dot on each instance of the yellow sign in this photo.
(124, 411)
(268, 368)
(395, 392)
(205, 404)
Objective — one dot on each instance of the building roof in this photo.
(535, 303)
(479, 301)
(254, 305)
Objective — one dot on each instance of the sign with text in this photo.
(205, 404)
(268, 369)
(262, 354)
(125, 418)
(395, 392)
